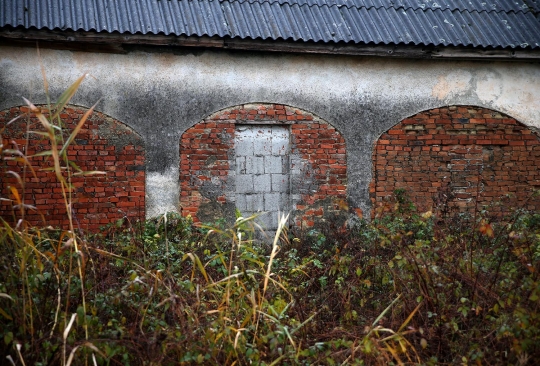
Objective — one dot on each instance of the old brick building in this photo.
(318, 108)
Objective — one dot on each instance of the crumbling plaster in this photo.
(161, 94)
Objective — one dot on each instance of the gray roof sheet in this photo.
(476, 23)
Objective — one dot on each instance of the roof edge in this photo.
(395, 6)
(123, 43)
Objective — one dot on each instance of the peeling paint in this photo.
(453, 84)
(489, 86)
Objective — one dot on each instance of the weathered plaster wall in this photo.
(160, 95)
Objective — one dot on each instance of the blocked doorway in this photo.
(262, 172)
(460, 159)
(310, 183)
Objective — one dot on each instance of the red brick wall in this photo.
(103, 144)
(204, 150)
(323, 147)
(465, 151)
(206, 147)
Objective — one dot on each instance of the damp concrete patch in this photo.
(161, 193)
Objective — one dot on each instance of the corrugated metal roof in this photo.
(477, 23)
(460, 5)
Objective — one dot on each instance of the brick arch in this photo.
(103, 144)
(318, 170)
(474, 155)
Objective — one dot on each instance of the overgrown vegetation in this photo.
(406, 288)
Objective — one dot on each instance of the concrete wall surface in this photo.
(161, 94)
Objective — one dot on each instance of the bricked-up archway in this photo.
(103, 144)
(466, 151)
(211, 166)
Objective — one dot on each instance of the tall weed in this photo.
(38, 265)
